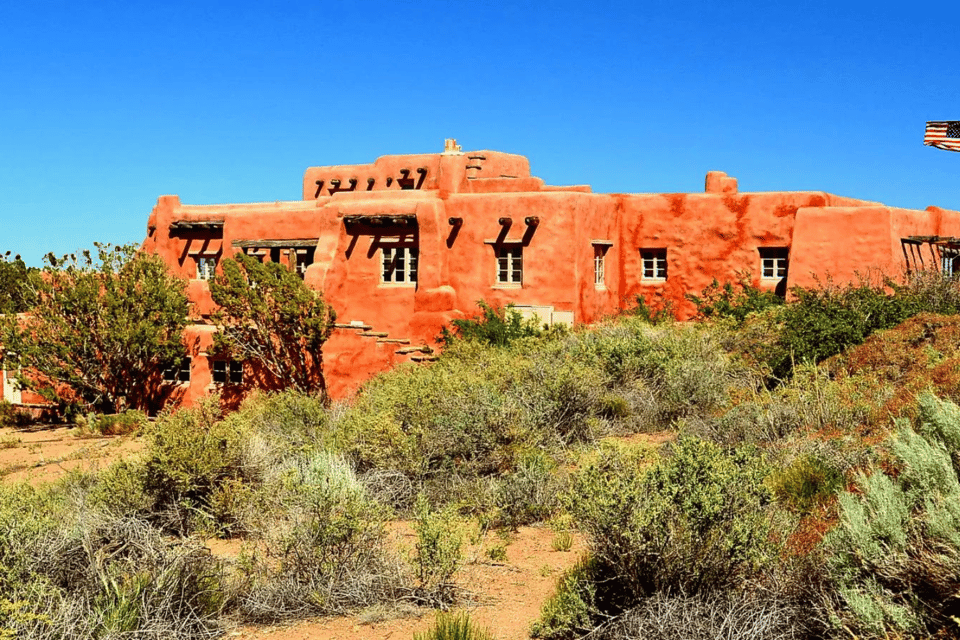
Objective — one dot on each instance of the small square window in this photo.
(773, 262)
(178, 373)
(399, 264)
(654, 262)
(206, 267)
(509, 264)
(227, 372)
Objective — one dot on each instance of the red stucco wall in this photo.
(712, 235)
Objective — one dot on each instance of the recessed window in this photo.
(304, 260)
(773, 263)
(227, 372)
(599, 266)
(206, 267)
(654, 263)
(399, 264)
(178, 372)
(509, 264)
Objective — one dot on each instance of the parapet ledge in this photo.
(720, 182)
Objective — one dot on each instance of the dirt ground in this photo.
(45, 453)
(504, 596)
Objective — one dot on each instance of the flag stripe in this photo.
(943, 134)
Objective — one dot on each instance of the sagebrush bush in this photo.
(323, 545)
(530, 492)
(697, 521)
(895, 554)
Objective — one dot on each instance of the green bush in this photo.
(495, 326)
(529, 493)
(437, 555)
(805, 483)
(118, 424)
(733, 300)
(450, 626)
(696, 521)
(895, 554)
(323, 550)
(191, 452)
(570, 612)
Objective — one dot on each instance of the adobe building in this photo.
(404, 245)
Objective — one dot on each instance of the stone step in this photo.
(362, 327)
(374, 334)
(420, 349)
(424, 358)
(393, 340)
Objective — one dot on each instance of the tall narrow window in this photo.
(654, 264)
(600, 264)
(509, 264)
(399, 264)
(773, 263)
(206, 267)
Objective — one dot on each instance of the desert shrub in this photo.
(10, 416)
(733, 300)
(450, 626)
(471, 413)
(650, 313)
(663, 373)
(323, 545)
(727, 616)
(810, 400)
(71, 571)
(277, 425)
(696, 521)
(495, 326)
(117, 424)
(438, 553)
(571, 610)
(529, 493)
(808, 481)
(191, 452)
(895, 554)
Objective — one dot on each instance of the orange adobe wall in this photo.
(402, 246)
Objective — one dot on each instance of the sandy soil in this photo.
(503, 596)
(45, 453)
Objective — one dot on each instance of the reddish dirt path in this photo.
(505, 597)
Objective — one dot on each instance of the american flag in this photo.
(943, 135)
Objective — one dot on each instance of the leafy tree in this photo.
(270, 318)
(104, 326)
(14, 296)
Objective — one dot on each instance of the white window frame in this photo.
(399, 265)
(653, 265)
(302, 259)
(206, 266)
(774, 263)
(509, 264)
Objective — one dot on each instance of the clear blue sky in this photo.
(106, 105)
